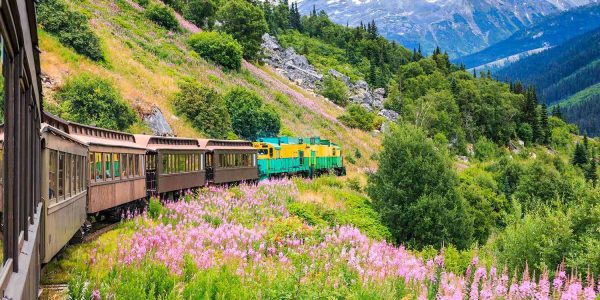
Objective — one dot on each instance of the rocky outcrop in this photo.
(290, 64)
(296, 68)
(157, 123)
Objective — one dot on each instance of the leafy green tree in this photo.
(92, 100)
(204, 108)
(162, 15)
(250, 118)
(394, 97)
(201, 12)
(246, 23)
(359, 117)
(71, 27)
(414, 191)
(335, 90)
(484, 149)
(220, 48)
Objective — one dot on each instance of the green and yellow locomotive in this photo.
(284, 156)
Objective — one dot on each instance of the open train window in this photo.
(271, 152)
(52, 169)
(61, 175)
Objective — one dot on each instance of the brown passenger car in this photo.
(172, 163)
(115, 167)
(63, 189)
(229, 161)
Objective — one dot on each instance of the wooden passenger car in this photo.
(115, 167)
(172, 163)
(63, 189)
(229, 161)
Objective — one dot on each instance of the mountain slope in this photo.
(550, 32)
(458, 26)
(583, 110)
(145, 62)
(561, 71)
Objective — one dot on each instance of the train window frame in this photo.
(124, 167)
(52, 174)
(116, 169)
(68, 157)
(61, 176)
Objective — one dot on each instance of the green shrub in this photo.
(354, 184)
(359, 117)
(142, 3)
(250, 117)
(204, 108)
(155, 208)
(92, 100)
(217, 47)
(335, 90)
(71, 28)
(484, 149)
(162, 15)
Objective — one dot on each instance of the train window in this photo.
(130, 165)
(76, 166)
(116, 168)
(83, 183)
(68, 173)
(61, 175)
(92, 167)
(165, 164)
(263, 151)
(98, 166)
(137, 164)
(73, 174)
(124, 167)
(271, 152)
(52, 166)
(254, 160)
(108, 167)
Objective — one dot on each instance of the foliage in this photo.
(335, 90)
(484, 149)
(162, 15)
(246, 23)
(89, 99)
(142, 3)
(414, 190)
(359, 117)
(71, 27)
(217, 47)
(204, 108)
(201, 12)
(155, 208)
(250, 117)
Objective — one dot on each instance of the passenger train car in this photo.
(91, 171)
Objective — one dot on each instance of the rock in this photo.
(361, 85)
(157, 122)
(389, 114)
(341, 77)
(270, 43)
(463, 158)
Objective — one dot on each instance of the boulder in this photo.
(389, 114)
(157, 123)
(341, 77)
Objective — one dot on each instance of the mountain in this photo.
(569, 75)
(548, 33)
(459, 26)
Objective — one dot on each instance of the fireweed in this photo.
(248, 230)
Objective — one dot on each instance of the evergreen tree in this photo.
(591, 173)
(580, 155)
(314, 11)
(586, 144)
(556, 112)
(530, 114)
(544, 124)
(518, 88)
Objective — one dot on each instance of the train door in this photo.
(151, 173)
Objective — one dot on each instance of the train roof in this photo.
(161, 142)
(53, 130)
(213, 144)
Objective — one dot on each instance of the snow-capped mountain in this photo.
(459, 26)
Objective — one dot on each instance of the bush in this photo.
(250, 118)
(92, 100)
(484, 149)
(217, 47)
(204, 108)
(335, 90)
(155, 208)
(246, 23)
(162, 15)
(359, 117)
(71, 28)
(142, 3)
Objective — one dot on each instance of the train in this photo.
(90, 171)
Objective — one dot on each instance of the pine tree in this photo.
(314, 11)
(544, 125)
(518, 89)
(556, 112)
(474, 73)
(372, 74)
(586, 143)
(591, 173)
(530, 113)
(580, 156)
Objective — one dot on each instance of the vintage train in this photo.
(89, 171)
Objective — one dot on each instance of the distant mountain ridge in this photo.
(459, 26)
(548, 33)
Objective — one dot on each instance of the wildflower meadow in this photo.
(243, 243)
